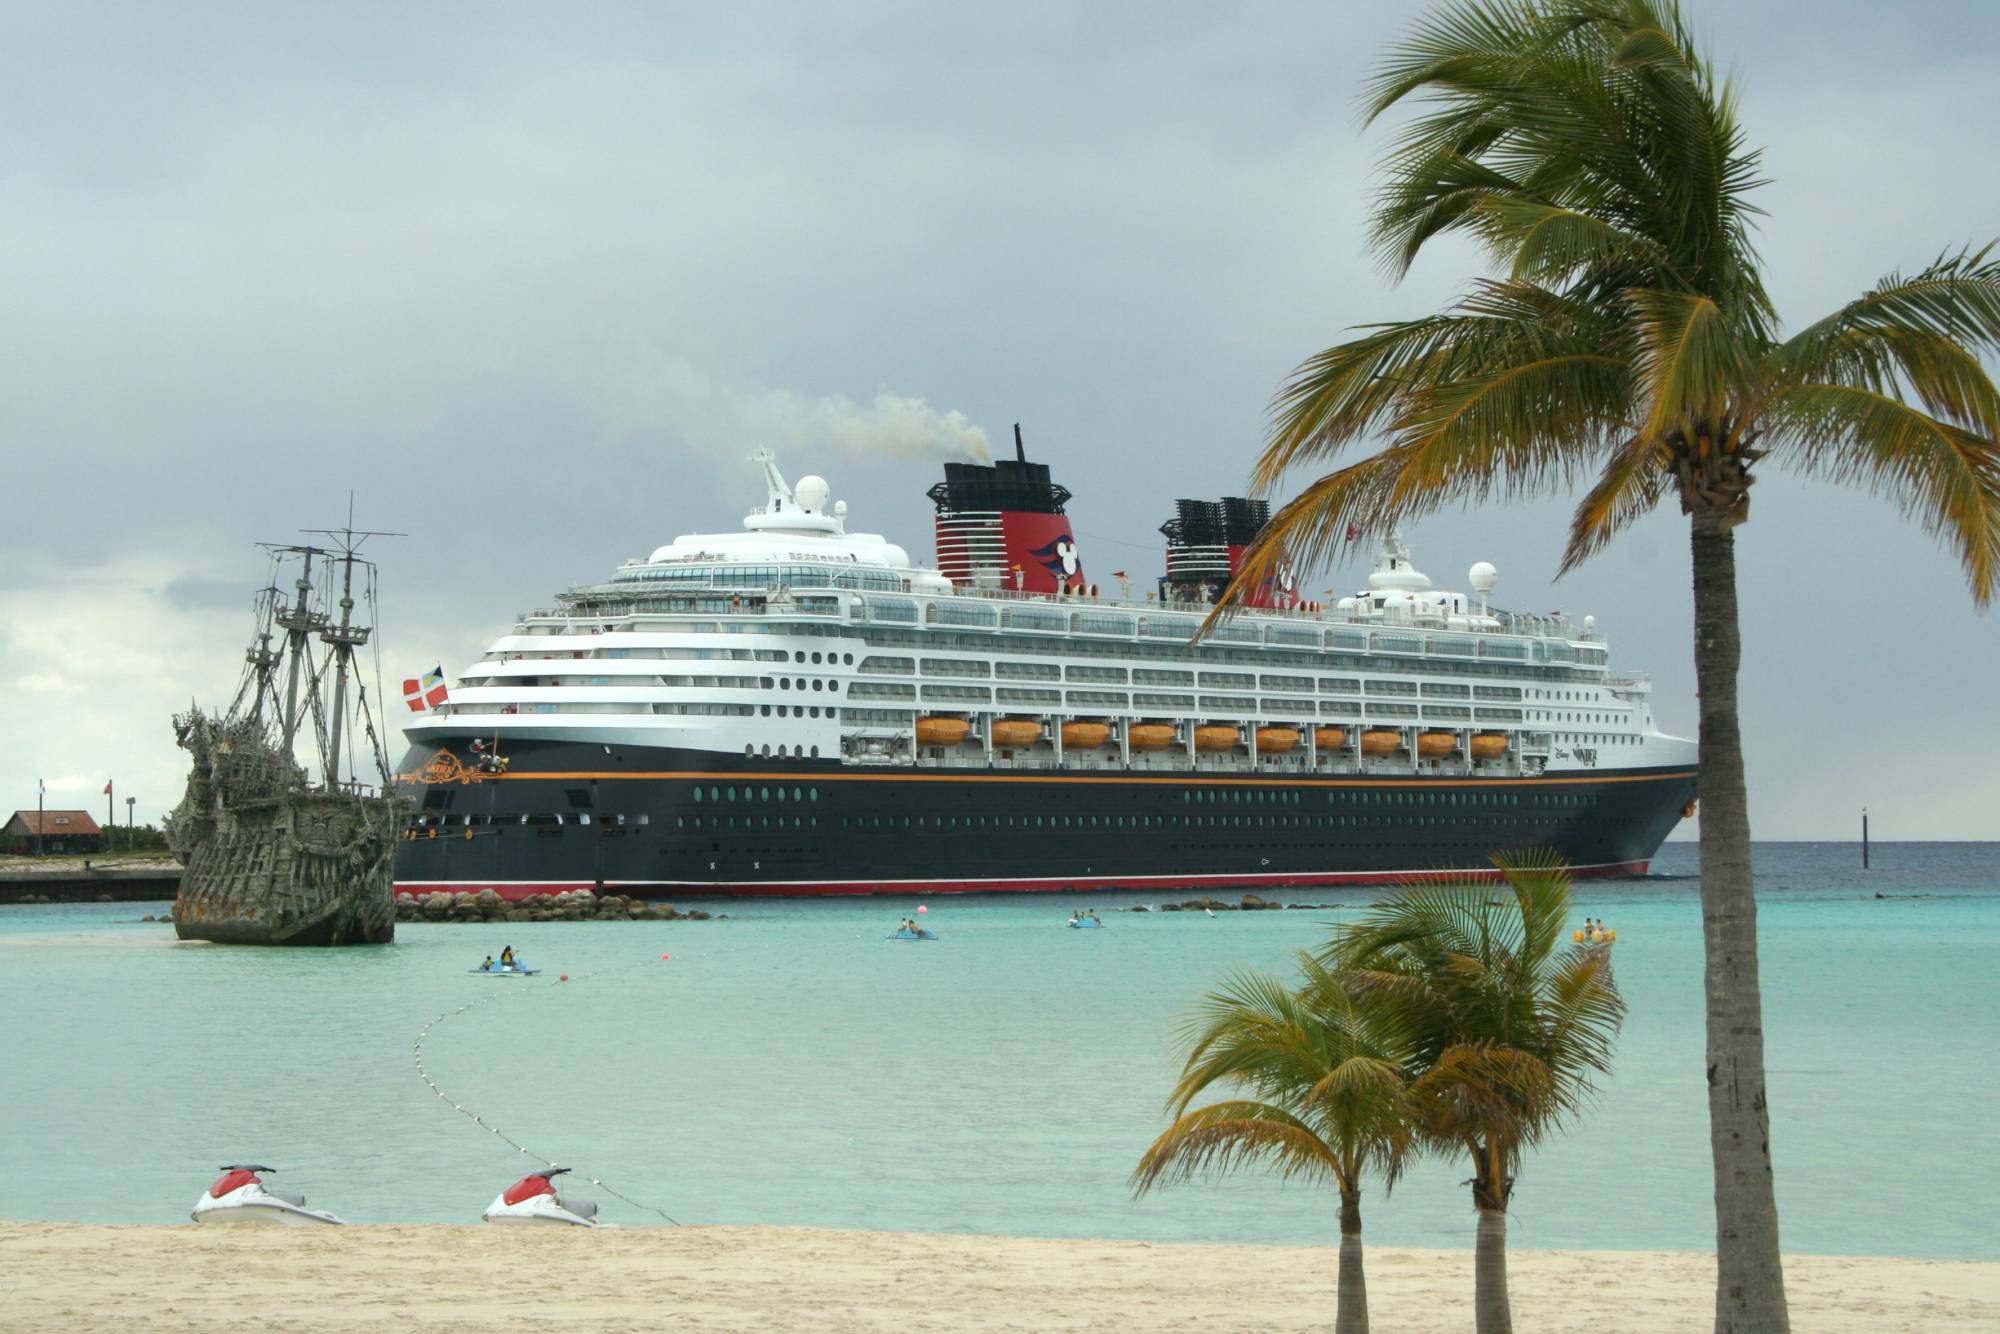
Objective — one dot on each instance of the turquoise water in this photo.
(792, 1066)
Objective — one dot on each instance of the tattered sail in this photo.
(272, 856)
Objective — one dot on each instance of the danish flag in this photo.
(427, 693)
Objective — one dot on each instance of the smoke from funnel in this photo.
(676, 400)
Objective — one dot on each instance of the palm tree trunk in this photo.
(1491, 1312)
(1750, 1285)
(1351, 1297)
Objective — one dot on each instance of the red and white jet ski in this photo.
(240, 1197)
(533, 1199)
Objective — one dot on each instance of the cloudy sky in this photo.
(532, 280)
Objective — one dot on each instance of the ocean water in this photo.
(792, 1066)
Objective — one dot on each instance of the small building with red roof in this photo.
(60, 831)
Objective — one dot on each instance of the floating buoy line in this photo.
(496, 1131)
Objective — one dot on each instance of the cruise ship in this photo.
(797, 709)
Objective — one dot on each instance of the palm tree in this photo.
(1507, 1025)
(1324, 1099)
(1625, 336)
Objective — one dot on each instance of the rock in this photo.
(1251, 903)
(1170, 907)
(697, 916)
(1141, 908)
(519, 915)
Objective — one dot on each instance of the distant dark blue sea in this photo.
(791, 1066)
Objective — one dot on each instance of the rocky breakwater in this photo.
(1250, 903)
(579, 905)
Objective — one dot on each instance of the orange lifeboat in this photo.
(1149, 736)
(1330, 738)
(1085, 736)
(1489, 745)
(1213, 739)
(942, 731)
(1435, 745)
(1277, 740)
(1015, 733)
(1381, 743)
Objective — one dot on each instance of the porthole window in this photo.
(730, 793)
(714, 794)
(763, 794)
(697, 794)
(815, 657)
(812, 794)
(818, 684)
(767, 749)
(800, 656)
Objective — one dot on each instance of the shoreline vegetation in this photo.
(73, 1276)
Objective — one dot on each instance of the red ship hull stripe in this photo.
(526, 889)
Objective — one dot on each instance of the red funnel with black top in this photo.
(1207, 543)
(1001, 525)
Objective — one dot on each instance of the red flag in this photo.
(1354, 532)
(107, 789)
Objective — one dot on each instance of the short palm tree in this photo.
(1323, 1098)
(1625, 338)
(1507, 1024)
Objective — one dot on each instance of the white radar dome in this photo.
(811, 493)
(1482, 577)
(1590, 622)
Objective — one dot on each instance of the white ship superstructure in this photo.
(794, 708)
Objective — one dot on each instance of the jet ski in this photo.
(533, 1200)
(240, 1197)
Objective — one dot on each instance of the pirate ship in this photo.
(275, 853)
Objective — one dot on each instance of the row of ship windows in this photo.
(990, 645)
(552, 823)
(1048, 671)
(1054, 620)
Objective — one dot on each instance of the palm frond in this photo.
(1946, 477)
(1213, 1140)
(1635, 476)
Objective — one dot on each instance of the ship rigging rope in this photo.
(497, 1132)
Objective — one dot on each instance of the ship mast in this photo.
(342, 639)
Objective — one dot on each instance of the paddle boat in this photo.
(510, 970)
(240, 1198)
(1082, 923)
(534, 1200)
(919, 934)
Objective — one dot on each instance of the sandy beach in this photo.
(63, 1276)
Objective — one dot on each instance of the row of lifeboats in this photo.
(1209, 739)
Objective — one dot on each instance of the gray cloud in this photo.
(530, 284)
